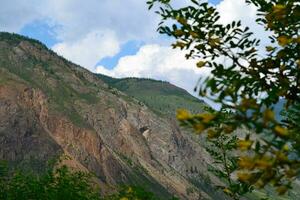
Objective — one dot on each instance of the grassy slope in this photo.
(162, 97)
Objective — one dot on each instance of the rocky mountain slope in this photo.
(50, 107)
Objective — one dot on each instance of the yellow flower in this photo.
(279, 12)
(228, 129)
(214, 42)
(246, 163)
(249, 103)
(201, 64)
(285, 147)
(291, 173)
(243, 176)
(129, 190)
(179, 44)
(183, 114)
(178, 33)
(269, 48)
(268, 115)
(282, 132)
(281, 190)
(244, 144)
(194, 34)
(281, 156)
(227, 191)
(124, 198)
(182, 21)
(264, 163)
(199, 128)
(212, 134)
(260, 184)
(278, 7)
(283, 40)
(206, 117)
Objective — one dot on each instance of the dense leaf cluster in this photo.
(248, 83)
(60, 184)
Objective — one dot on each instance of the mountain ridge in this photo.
(54, 108)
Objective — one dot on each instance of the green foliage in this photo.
(132, 192)
(15, 39)
(221, 149)
(60, 184)
(221, 146)
(53, 185)
(248, 84)
(291, 117)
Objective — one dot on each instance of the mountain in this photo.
(51, 108)
(121, 130)
(162, 97)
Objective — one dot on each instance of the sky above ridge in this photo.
(114, 37)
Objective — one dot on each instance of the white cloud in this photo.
(129, 19)
(88, 50)
(17, 13)
(158, 62)
(231, 10)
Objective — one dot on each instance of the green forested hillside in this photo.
(160, 96)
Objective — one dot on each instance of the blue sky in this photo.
(41, 30)
(114, 37)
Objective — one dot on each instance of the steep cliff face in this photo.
(50, 107)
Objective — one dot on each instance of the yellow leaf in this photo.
(201, 64)
(194, 34)
(179, 44)
(282, 157)
(228, 129)
(183, 114)
(264, 163)
(279, 8)
(268, 115)
(249, 103)
(206, 117)
(281, 190)
(291, 173)
(199, 128)
(246, 163)
(285, 147)
(182, 21)
(243, 176)
(178, 33)
(244, 144)
(214, 42)
(282, 132)
(269, 48)
(212, 134)
(260, 183)
(227, 191)
(129, 190)
(283, 40)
